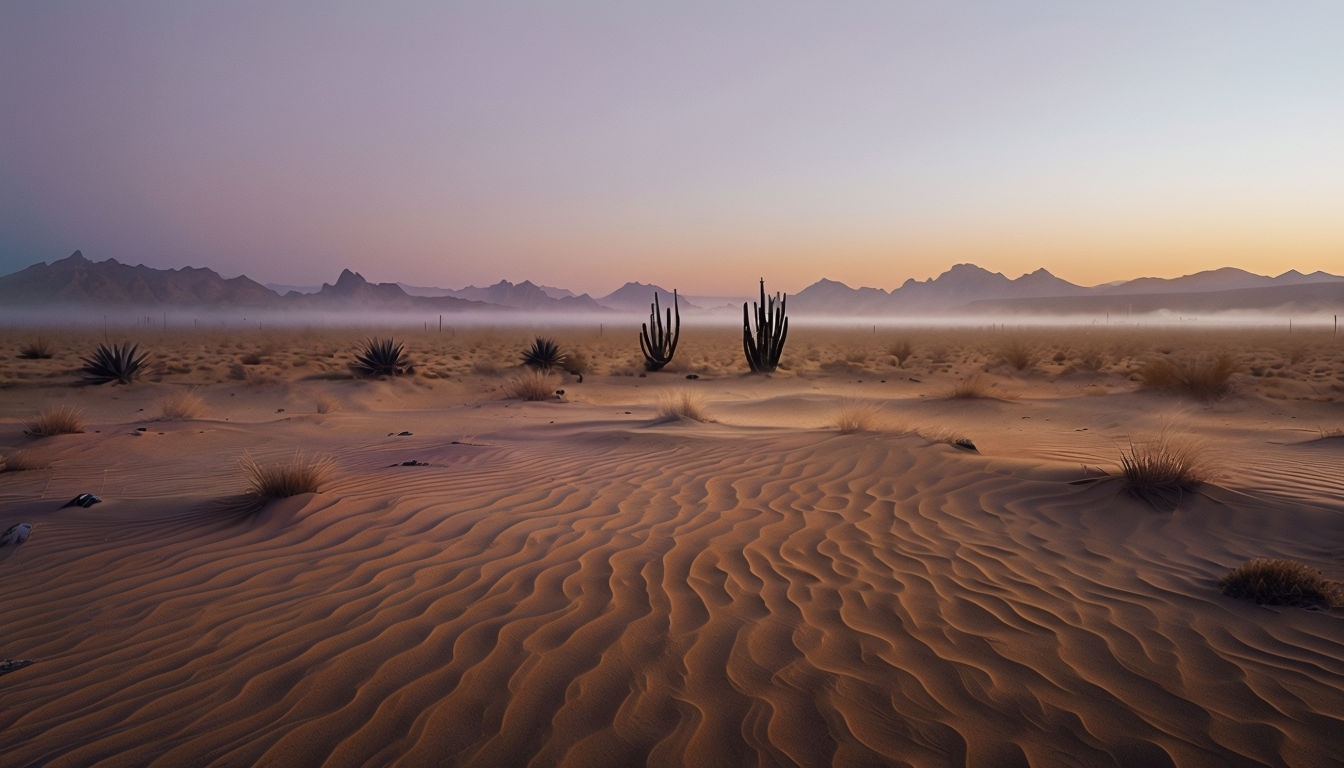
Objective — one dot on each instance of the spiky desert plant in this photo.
(1272, 581)
(543, 355)
(1162, 470)
(536, 384)
(658, 342)
(382, 357)
(37, 349)
(764, 347)
(120, 363)
(56, 420)
(302, 474)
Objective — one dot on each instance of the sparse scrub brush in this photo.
(382, 357)
(537, 384)
(120, 363)
(1017, 354)
(182, 405)
(901, 350)
(1162, 470)
(37, 349)
(856, 417)
(56, 420)
(1204, 378)
(970, 388)
(543, 355)
(279, 480)
(681, 404)
(1282, 582)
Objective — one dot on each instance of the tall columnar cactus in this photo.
(772, 326)
(658, 342)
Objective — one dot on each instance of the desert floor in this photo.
(593, 580)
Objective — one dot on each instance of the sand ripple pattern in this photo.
(652, 596)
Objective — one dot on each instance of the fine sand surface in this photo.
(583, 582)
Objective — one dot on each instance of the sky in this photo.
(696, 145)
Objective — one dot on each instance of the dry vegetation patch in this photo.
(301, 474)
(856, 416)
(532, 384)
(56, 420)
(681, 404)
(1160, 471)
(1282, 582)
(1207, 378)
(185, 404)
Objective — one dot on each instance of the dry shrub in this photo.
(21, 461)
(1282, 582)
(325, 403)
(856, 417)
(972, 387)
(56, 420)
(577, 362)
(1206, 378)
(1162, 470)
(185, 404)
(37, 349)
(1017, 354)
(532, 384)
(681, 404)
(1091, 359)
(901, 350)
(302, 474)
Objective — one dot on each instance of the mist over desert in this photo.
(907, 546)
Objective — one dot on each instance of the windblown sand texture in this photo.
(580, 582)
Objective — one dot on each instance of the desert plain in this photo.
(694, 566)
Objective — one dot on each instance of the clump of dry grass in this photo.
(36, 349)
(681, 404)
(302, 474)
(184, 404)
(325, 403)
(56, 420)
(21, 461)
(1017, 354)
(1282, 582)
(972, 387)
(1160, 471)
(532, 384)
(901, 350)
(855, 416)
(1207, 378)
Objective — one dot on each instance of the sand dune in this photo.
(579, 583)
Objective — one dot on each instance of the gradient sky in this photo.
(698, 145)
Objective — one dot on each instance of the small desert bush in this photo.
(37, 349)
(1091, 359)
(1282, 582)
(1205, 378)
(543, 355)
(856, 417)
(534, 384)
(119, 363)
(56, 420)
(325, 403)
(382, 357)
(1163, 469)
(577, 362)
(185, 404)
(20, 461)
(302, 474)
(970, 388)
(1017, 354)
(901, 350)
(681, 404)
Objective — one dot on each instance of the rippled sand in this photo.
(581, 582)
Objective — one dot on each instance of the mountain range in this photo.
(963, 288)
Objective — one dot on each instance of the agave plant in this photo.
(120, 364)
(382, 357)
(543, 355)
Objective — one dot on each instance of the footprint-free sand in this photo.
(589, 581)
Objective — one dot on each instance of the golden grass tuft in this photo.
(56, 420)
(184, 404)
(856, 416)
(972, 387)
(302, 474)
(1282, 582)
(1162, 470)
(1207, 378)
(1017, 354)
(681, 404)
(532, 384)
(21, 461)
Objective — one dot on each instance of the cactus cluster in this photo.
(764, 347)
(657, 341)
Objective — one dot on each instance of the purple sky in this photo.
(695, 145)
